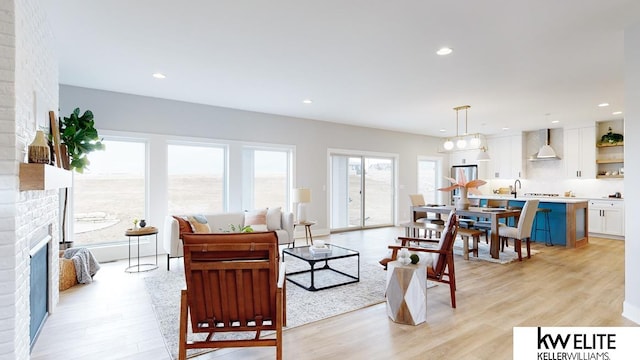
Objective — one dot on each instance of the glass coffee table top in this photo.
(305, 253)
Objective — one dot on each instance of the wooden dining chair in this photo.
(438, 259)
(423, 217)
(235, 284)
(523, 231)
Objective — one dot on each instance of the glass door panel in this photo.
(355, 192)
(378, 192)
(362, 192)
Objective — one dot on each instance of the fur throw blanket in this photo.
(85, 263)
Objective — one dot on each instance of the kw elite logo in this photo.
(575, 343)
(578, 346)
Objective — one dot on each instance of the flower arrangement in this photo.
(464, 186)
(238, 229)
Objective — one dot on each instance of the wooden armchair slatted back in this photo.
(232, 286)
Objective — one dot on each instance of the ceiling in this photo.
(519, 64)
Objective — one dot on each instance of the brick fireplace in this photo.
(28, 83)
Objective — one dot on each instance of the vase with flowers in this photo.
(466, 187)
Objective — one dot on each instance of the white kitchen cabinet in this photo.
(465, 157)
(606, 217)
(580, 152)
(517, 151)
(506, 157)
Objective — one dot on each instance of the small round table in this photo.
(138, 233)
(307, 230)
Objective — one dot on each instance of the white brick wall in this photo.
(8, 276)
(28, 69)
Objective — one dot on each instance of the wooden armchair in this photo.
(235, 284)
(439, 259)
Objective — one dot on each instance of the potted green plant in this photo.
(78, 137)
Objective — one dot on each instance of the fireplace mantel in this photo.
(43, 177)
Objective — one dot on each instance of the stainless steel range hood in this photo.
(546, 152)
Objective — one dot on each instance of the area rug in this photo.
(303, 306)
(508, 255)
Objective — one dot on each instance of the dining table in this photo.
(493, 214)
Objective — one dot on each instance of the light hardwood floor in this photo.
(112, 318)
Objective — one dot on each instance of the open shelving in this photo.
(609, 157)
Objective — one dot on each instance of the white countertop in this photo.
(551, 199)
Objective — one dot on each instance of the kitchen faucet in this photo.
(515, 188)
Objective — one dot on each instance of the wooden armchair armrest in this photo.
(395, 249)
(406, 240)
(281, 274)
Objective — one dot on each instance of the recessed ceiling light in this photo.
(603, 105)
(443, 130)
(444, 51)
(159, 75)
(616, 113)
(555, 121)
(307, 101)
(505, 128)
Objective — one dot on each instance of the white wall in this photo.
(631, 306)
(131, 113)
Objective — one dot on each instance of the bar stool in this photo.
(545, 228)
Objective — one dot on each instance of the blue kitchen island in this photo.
(568, 218)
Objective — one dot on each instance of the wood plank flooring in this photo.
(112, 318)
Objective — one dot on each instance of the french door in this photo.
(362, 191)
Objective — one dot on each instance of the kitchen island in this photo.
(568, 218)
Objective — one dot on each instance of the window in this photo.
(196, 179)
(110, 193)
(266, 178)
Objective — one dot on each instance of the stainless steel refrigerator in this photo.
(470, 173)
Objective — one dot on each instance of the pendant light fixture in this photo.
(463, 141)
(483, 155)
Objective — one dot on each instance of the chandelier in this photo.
(465, 141)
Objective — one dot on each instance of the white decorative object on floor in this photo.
(407, 293)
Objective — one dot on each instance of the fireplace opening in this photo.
(39, 286)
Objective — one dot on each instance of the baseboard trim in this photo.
(631, 312)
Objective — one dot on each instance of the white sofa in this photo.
(219, 223)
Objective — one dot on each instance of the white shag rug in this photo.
(303, 306)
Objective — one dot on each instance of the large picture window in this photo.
(110, 194)
(266, 178)
(196, 179)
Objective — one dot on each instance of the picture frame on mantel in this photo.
(55, 133)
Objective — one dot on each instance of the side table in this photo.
(138, 233)
(307, 230)
(406, 293)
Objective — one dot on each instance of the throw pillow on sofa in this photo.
(273, 218)
(183, 225)
(257, 219)
(199, 224)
